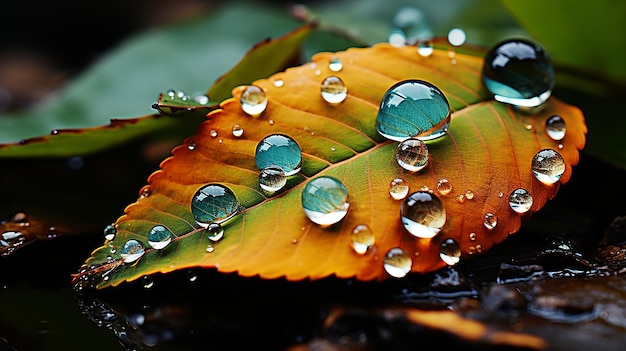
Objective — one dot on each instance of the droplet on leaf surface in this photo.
(548, 166)
(215, 231)
(159, 237)
(398, 189)
(490, 220)
(272, 179)
(520, 200)
(412, 155)
(253, 100)
(109, 232)
(279, 150)
(214, 203)
(518, 72)
(423, 214)
(325, 200)
(362, 238)
(333, 90)
(335, 64)
(450, 252)
(413, 109)
(555, 127)
(131, 251)
(397, 262)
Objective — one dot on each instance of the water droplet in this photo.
(456, 37)
(469, 194)
(237, 131)
(413, 109)
(450, 252)
(412, 23)
(444, 187)
(398, 189)
(335, 64)
(109, 232)
(159, 237)
(412, 154)
(272, 179)
(518, 72)
(253, 100)
(210, 248)
(201, 99)
(555, 127)
(362, 238)
(192, 276)
(397, 37)
(473, 236)
(397, 262)
(191, 145)
(213, 133)
(214, 203)
(423, 214)
(333, 90)
(325, 200)
(425, 48)
(147, 282)
(215, 232)
(145, 192)
(279, 83)
(271, 122)
(131, 251)
(548, 166)
(520, 200)
(279, 150)
(491, 221)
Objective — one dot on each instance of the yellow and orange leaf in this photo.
(485, 156)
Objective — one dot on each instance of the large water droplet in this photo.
(412, 154)
(109, 232)
(413, 109)
(450, 252)
(279, 150)
(520, 200)
(325, 200)
(333, 90)
(491, 221)
(159, 237)
(362, 238)
(398, 189)
(253, 100)
(555, 127)
(131, 251)
(518, 72)
(423, 214)
(548, 166)
(214, 203)
(397, 263)
(272, 179)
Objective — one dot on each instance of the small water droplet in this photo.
(412, 154)
(147, 282)
(473, 236)
(191, 145)
(413, 109)
(131, 251)
(279, 150)
(490, 221)
(213, 133)
(325, 200)
(555, 127)
(271, 122)
(210, 248)
(548, 166)
(460, 198)
(397, 262)
(423, 214)
(450, 252)
(192, 276)
(425, 48)
(518, 72)
(520, 200)
(201, 99)
(335, 64)
(333, 90)
(145, 192)
(109, 232)
(444, 187)
(397, 37)
(272, 179)
(398, 189)
(215, 232)
(159, 237)
(279, 83)
(214, 203)
(362, 238)
(253, 100)
(456, 37)
(469, 195)
(237, 131)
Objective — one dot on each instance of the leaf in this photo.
(485, 156)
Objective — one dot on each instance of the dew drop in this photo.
(191, 145)
(450, 252)
(548, 166)
(253, 100)
(412, 154)
(425, 48)
(456, 37)
(423, 214)
(109, 232)
(210, 248)
(213, 133)
(131, 251)
(490, 221)
(473, 236)
(397, 262)
(398, 189)
(518, 72)
(237, 131)
(444, 187)
(159, 237)
(469, 194)
(335, 64)
(272, 179)
(214, 203)
(413, 109)
(333, 90)
(279, 83)
(325, 200)
(279, 150)
(215, 232)
(520, 200)
(147, 282)
(555, 127)
(397, 38)
(362, 238)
